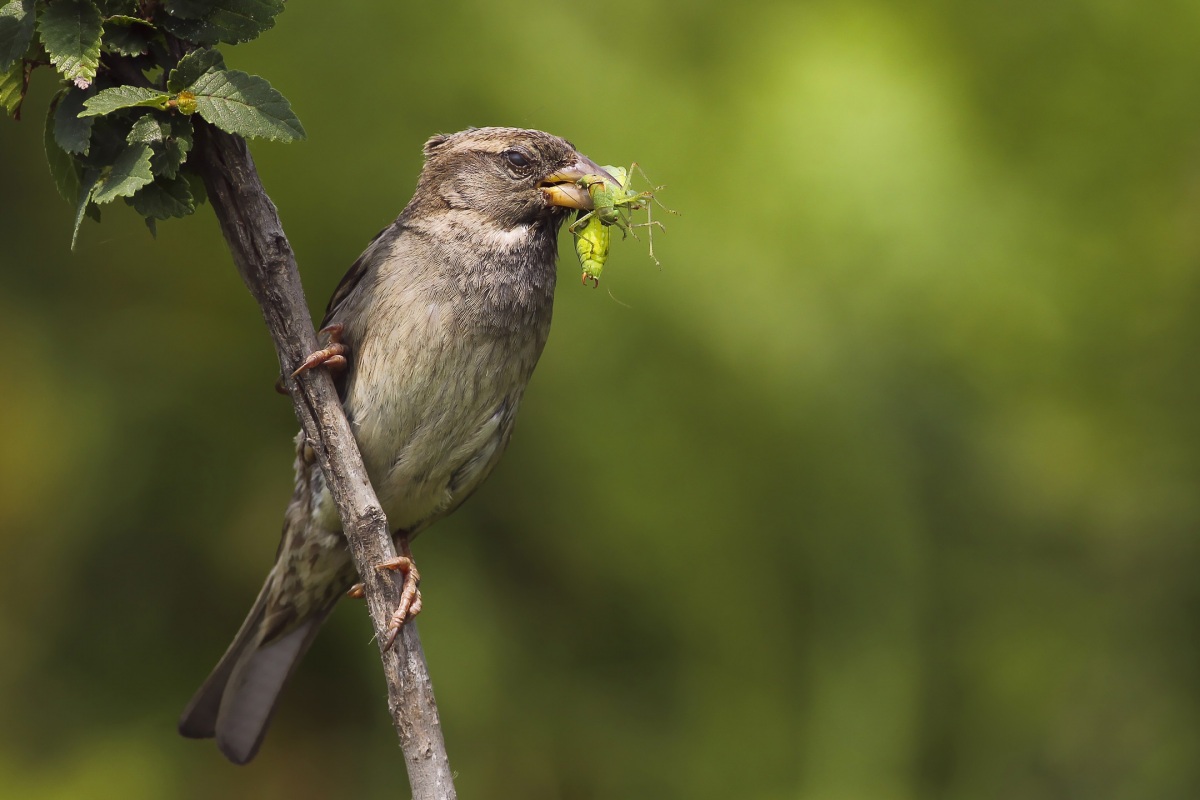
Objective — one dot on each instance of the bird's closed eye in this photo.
(518, 160)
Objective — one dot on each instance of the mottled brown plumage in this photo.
(445, 316)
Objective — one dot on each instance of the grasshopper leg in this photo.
(575, 226)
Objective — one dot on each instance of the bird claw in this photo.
(332, 355)
(410, 595)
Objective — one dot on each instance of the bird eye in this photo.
(517, 159)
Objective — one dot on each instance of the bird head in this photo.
(506, 176)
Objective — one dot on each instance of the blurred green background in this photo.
(883, 487)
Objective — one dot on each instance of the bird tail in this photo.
(236, 702)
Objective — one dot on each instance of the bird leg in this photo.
(332, 355)
(410, 595)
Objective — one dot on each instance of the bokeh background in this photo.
(883, 487)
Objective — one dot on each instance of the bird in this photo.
(434, 333)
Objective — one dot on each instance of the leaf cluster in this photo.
(134, 75)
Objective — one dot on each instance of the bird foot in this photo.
(410, 595)
(332, 355)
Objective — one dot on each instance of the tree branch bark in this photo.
(264, 259)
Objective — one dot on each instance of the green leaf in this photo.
(159, 54)
(12, 85)
(71, 33)
(170, 136)
(247, 105)
(124, 40)
(191, 67)
(117, 8)
(168, 158)
(172, 153)
(147, 128)
(107, 142)
(119, 97)
(130, 172)
(165, 198)
(63, 167)
(188, 9)
(212, 21)
(16, 31)
(87, 188)
(125, 20)
(73, 133)
(197, 184)
(128, 36)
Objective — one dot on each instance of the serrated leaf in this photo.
(246, 105)
(72, 133)
(130, 172)
(168, 158)
(188, 9)
(124, 41)
(70, 31)
(164, 199)
(12, 85)
(197, 184)
(147, 129)
(63, 167)
(16, 31)
(181, 129)
(107, 142)
(172, 153)
(119, 97)
(116, 8)
(158, 51)
(128, 36)
(36, 52)
(171, 138)
(192, 66)
(125, 20)
(87, 187)
(229, 21)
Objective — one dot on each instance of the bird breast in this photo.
(435, 384)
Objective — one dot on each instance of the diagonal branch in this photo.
(266, 263)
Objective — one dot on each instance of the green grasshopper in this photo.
(611, 205)
(591, 245)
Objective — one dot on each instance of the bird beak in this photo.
(563, 189)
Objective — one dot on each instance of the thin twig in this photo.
(266, 263)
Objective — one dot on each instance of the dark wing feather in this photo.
(354, 275)
(348, 286)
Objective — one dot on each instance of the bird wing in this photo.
(358, 269)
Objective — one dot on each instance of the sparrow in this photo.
(434, 334)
